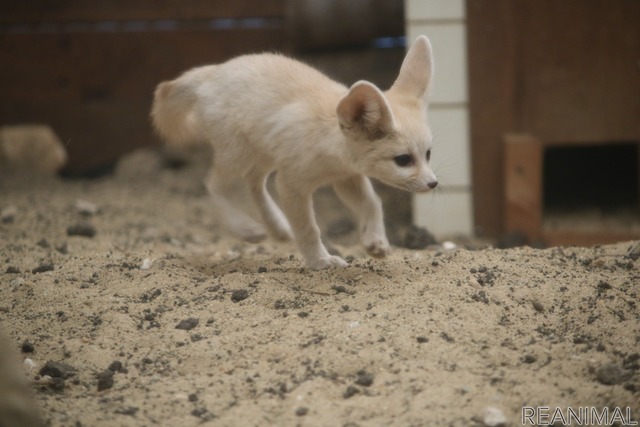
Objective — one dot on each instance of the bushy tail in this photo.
(174, 113)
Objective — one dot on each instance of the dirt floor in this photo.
(131, 309)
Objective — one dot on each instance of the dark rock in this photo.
(8, 214)
(188, 324)
(115, 366)
(364, 378)
(57, 370)
(339, 289)
(445, 336)
(529, 358)
(105, 379)
(42, 268)
(151, 295)
(537, 305)
(418, 238)
(83, 229)
(239, 295)
(193, 397)
(203, 414)
(350, 391)
(27, 347)
(610, 374)
(302, 411)
(480, 296)
(129, 410)
(57, 384)
(422, 339)
(12, 270)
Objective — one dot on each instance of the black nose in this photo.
(433, 184)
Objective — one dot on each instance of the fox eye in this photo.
(428, 155)
(403, 160)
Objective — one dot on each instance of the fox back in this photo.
(287, 112)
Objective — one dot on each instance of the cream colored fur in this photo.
(265, 113)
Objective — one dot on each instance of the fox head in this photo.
(387, 132)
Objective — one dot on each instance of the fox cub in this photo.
(264, 113)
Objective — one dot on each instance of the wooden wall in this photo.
(88, 69)
(564, 71)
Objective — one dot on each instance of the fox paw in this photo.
(331, 261)
(378, 248)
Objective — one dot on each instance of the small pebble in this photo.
(105, 380)
(239, 295)
(364, 379)
(146, 264)
(83, 229)
(57, 370)
(537, 305)
(340, 289)
(448, 246)
(115, 366)
(302, 411)
(610, 374)
(422, 339)
(29, 364)
(129, 410)
(8, 214)
(27, 347)
(494, 417)
(188, 324)
(42, 268)
(86, 208)
(350, 391)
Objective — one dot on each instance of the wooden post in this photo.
(523, 165)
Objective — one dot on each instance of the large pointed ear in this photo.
(365, 110)
(415, 74)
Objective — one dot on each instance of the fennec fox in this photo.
(264, 113)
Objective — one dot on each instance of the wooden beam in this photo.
(37, 11)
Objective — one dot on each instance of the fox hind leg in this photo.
(222, 184)
(272, 216)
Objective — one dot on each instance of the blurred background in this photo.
(535, 105)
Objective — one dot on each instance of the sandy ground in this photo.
(158, 319)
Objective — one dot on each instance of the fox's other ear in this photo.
(415, 74)
(365, 109)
